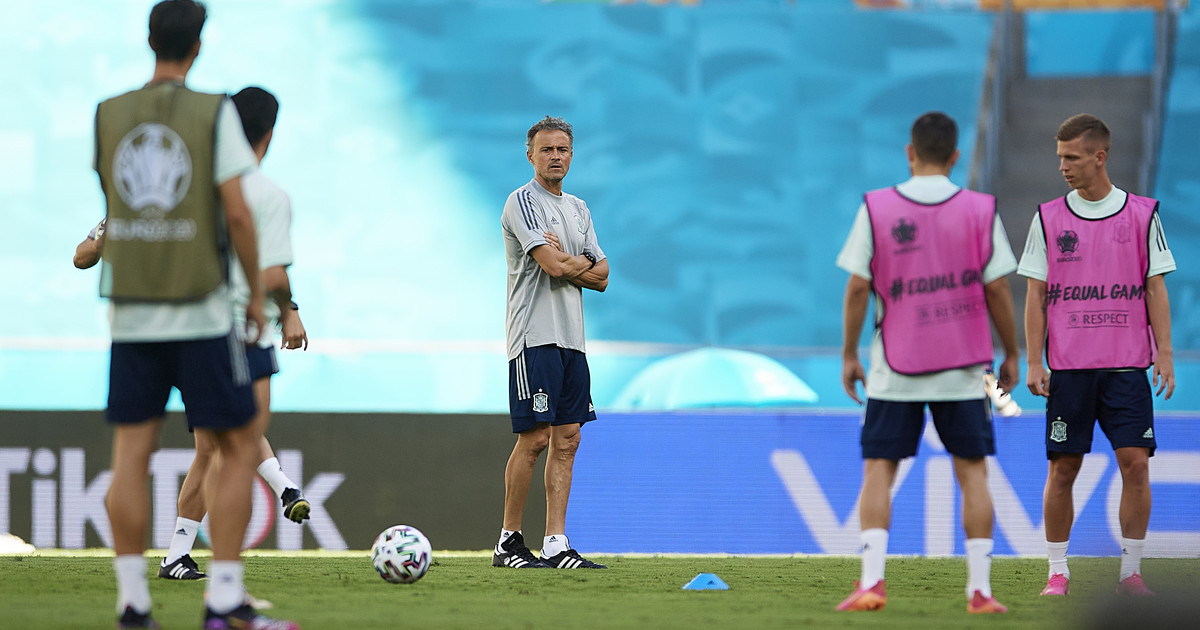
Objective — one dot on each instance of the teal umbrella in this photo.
(714, 377)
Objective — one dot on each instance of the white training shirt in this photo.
(1034, 262)
(212, 315)
(542, 310)
(272, 210)
(882, 382)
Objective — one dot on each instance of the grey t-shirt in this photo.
(541, 309)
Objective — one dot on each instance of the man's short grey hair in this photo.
(548, 123)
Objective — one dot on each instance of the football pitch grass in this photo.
(64, 590)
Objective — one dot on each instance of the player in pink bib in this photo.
(1095, 261)
(936, 258)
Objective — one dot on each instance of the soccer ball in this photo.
(401, 554)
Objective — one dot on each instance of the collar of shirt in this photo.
(1108, 206)
(928, 188)
(546, 194)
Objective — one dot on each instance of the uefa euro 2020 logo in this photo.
(905, 231)
(1068, 242)
(152, 168)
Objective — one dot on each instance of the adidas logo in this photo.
(1149, 434)
(515, 562)
(554, 539)
(181, 532)
(567, 562)
(553, 221)
(178, 571)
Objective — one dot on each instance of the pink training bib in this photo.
(928, 276)
(1096, 287)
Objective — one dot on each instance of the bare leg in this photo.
(262, 417)
(228, 489)
(1058, 503)
(875, 501)
(262, 420)
(977, 514)
(519, 473)
(874, 515)
(560, 463)
(128, 499)
(191, 493)
(1134, 512)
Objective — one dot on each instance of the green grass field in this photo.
(63, 590)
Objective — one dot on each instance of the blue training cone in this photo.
(706, 582)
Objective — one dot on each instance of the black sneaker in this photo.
(514, 554)
(570, 559)
(134, 619)
(245, 618)
(182, 569)
(295, 506)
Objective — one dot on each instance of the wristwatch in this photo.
(295, 306)
(591, 258)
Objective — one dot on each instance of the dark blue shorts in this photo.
(211, 374)
(1121, 401)
(549, 384)
(263, 363)
(892, 429)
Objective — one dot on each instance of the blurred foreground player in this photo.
(552, 255)
(170, 162)
(935, 256)
(271, 210)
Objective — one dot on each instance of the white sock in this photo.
(1131, 556)
(554, 544)
(225, 589)
(505, 534)
(979, 566)
(183, 540)
(133, 589)
(1057, 552)
(874, 555)
(273, 474)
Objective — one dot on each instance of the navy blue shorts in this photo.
(549, 384)
(1121, 401)
(263, 363)
(211, 375)
(892, 429)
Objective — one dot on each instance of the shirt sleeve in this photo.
(523, 219)
(233, 153)
(859, 248)
(98, 231)
(591, 241)
(274, 225)
(1033, 259)
(1002, 262)
(1161, 259)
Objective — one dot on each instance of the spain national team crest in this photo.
(1123, 230)
(582, 226)
(1058, 431)
(541, 402)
